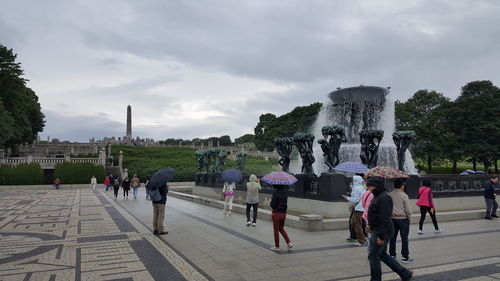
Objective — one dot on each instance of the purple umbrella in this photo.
(352, 167)
(279, 178)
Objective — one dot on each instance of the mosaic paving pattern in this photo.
(80, 235)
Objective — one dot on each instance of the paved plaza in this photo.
(82, 234)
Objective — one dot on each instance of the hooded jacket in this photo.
(253, 190)
(380, 210)
(357, 191)
(489, 189)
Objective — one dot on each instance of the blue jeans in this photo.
(491, 207)
(134, 191)
(379, 253)
(403, 227)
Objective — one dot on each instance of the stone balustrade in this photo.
(48, 162)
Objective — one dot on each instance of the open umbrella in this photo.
(232, 175)
(386, 172)
(280, 178)
(160, 178)
(353, 167)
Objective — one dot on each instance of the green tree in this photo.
(300, 119)
(247, 138)
(19, 102)
(225, 141)
(423, 114)
(476, 115)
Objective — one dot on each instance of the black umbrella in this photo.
(161, 177)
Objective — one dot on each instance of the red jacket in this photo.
(425, 197)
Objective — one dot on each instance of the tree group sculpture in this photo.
(240, 160)
(402, 140)
(370, 141)
(284, 148)
(333, 138)
(304, 143)
(211, 160)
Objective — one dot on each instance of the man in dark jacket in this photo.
(490, 198)
(381, 228)
(159, 211)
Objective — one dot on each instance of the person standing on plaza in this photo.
(381, 228)
(401, 215)
(279, 205)
(111, 180)
(159, 211)
(116, 186)
(356, 220)
(135, 183)
(253, 187)
(106, 183)
(228, 192)
(93, 182)
(490, 198)
(126, 187)
(426, 205)
(57, 183)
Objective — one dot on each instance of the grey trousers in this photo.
(158, 217)
(491, 207)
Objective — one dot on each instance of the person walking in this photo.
(147, 189)
(93, 182)
(490, 198)
(381, 228)
(111, 180)
(135, 183)
(253, 187)
(228, 192)
(356, 220)
(279, 205)
(126, 187)
(401, 215)
(159, 211)
(57, 183)
(116, 186)
(426, 205)
(106, 183)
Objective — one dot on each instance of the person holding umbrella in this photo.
(279, 205)
(158, 189)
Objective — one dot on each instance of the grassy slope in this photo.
(144, 161)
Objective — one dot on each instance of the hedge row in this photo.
(24, 174)
(78, 173)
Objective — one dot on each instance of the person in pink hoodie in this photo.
(426, 205)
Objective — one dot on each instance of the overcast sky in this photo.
(210, 68)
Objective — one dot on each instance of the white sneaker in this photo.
(254, 224)
(420, 232)
(229, 213)
(439, 231)
(276, 249)
(248, 223)
(290, 245)
(356, 244)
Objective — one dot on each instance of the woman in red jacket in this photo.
(426, 206)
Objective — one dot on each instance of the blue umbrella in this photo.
(161, 177)
(352, 167)
(232, 175)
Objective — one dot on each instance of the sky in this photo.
(211, 68)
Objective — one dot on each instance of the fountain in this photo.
(367, 114)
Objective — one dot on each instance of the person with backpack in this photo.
(159, 210)
(279, 206)
(116, 186)
(135, 183)
(426, 205)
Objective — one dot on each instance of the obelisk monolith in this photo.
(129, 122)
